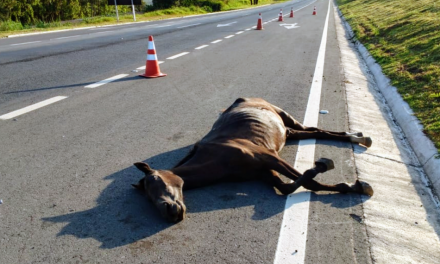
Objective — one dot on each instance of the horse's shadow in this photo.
(123, 215)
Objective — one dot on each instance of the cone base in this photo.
(153, 76)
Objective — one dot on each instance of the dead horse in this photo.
(243, 144)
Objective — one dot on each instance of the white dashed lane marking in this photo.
(111, 79)
(114, 78)
(177, 56)
(32, 107)
(201, 47)
(25, 43)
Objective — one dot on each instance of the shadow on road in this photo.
(79, 85)
(123, 215)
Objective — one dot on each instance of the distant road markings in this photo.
(201, 47)
(190, 25)
(104, 31)
(69, 37)
(111, 79)
(165, 26)
(143, 67)
(254, 27)
(32, 107)
(177, 56)
(248, 29)
(216, 41)
(230, 36)
(239, 32)
(25, 43)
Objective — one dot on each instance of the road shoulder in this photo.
(402, 216)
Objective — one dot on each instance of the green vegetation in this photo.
(404, 37)
(24, 16)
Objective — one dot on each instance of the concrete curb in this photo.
(422, 146)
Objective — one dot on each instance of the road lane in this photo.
(68, 170)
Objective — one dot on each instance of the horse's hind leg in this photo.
(312, 132)
(306, 179)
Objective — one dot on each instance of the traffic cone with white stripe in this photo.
(291, 12)
(280, 17)
(260, 23)
(152, 65)
(314, 10)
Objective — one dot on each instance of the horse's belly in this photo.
(259, 125)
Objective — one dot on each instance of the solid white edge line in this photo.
(177, 56)
(216, 41)
(111, 79)
(24, 43)
(33, 107)
(201, 47)
(291, 246)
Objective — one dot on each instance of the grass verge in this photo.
(12, 28)
(404, 38)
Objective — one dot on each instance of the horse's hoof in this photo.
(357, 134)
(365, 188)
(327, 163)
(367, 142)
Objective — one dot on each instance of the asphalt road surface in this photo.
(66, 168)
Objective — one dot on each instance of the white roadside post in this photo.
(116, 6)
(132, 9)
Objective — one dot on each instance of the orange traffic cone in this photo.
(314, 10)
(152, 66)
(291, 12)
(260, 23)
(280, 17)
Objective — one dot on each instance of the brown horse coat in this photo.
(243, 144)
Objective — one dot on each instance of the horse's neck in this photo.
(195, 176)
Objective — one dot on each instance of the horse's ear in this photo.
(143, 167)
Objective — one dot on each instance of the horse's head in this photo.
(164, 188)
